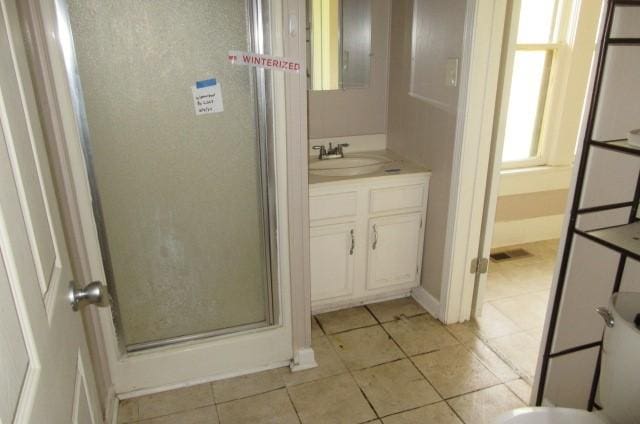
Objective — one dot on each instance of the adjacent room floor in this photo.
(515, 305)
(389, 363)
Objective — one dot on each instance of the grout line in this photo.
(455, 412)
(319, 325)
(252, 395)
(352, 329)
(293, 405)
(375, 412)
(526, 402)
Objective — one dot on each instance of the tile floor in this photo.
(515, 305)
(388, 363)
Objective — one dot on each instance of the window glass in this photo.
(536, 21)
(526, 103)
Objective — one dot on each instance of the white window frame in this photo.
(564, 17)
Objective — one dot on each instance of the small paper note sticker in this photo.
(264, 61)
(207, 97)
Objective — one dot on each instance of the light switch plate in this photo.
(451, 72)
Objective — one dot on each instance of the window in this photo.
(534, 59)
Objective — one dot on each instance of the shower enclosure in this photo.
(183, 202)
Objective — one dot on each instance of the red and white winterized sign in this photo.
(264, 61)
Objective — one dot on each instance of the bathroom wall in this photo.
(528, 217)
(424, 130)
(357, 111)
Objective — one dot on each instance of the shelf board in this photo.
(619, 145)
(618, 41)
(623, 238)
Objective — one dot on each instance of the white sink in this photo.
(348, 166)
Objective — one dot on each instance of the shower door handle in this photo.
(94, 293)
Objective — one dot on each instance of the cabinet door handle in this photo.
(353, 243)
(375, 237)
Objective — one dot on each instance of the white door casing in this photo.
(192, 362)
(480, 68)
(47, 375)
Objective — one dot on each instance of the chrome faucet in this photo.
(331, 152)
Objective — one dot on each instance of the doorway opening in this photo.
(546, 60)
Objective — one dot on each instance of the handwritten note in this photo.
(207, 97)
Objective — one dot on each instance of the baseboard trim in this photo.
(529, 230)
(303, 359)
(427, 301)
(334, 305)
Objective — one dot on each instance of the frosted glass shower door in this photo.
(183, 204)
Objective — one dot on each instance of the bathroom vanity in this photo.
(367, 219)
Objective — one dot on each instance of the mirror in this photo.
(339, 44)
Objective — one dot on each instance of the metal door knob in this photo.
(93, 293)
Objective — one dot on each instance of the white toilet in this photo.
(619, 386)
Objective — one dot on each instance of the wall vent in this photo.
(510, 254)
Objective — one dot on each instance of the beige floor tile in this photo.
(419, 334)
(331, 400)
(206, 415)
(127, 411)
(345, 319)
(395, 387)
(485, 405)
(248, 385)
(394, 309)
(454, 371)
(267, 408)
(491, 360)
(493, 323)
(527, 311)
(316, 331)
(365, 347)
(173, 401)
(328, 364)
(500, 287)
(519, 350)
(536, 334)
(438, 413)
(464, 332)
(521, 388)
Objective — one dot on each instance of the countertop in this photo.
(395, 166)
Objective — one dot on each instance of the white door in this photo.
(332, 260)
(394, 250)
(46, 372)
(495, 162)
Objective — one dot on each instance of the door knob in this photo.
(93, 293)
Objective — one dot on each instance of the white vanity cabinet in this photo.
(366, 238)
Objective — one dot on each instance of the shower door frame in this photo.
(260, 42)
(191, 361)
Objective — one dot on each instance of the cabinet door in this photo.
(332, 259)
(394, 250)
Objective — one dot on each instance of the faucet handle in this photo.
(339, 148)
(323, 150)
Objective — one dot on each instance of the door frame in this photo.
(472, 155)
(132, 374)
